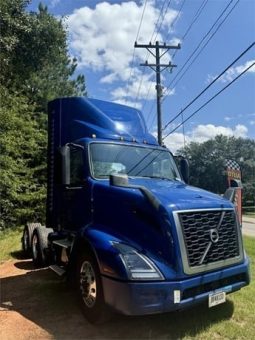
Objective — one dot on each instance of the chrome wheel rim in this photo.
(88, 284)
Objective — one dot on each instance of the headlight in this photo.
(137, 265)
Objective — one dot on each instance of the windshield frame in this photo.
(146, 146)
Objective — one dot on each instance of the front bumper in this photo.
(139, 298)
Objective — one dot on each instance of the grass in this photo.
(232, 320)
(249, 211)
(249, 214)
(10, 243)
(242, 323)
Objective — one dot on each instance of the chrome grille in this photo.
(200, 248)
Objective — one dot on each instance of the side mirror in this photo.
(65, 164)
(184, 168)
(119, 180)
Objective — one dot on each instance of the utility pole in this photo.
(158, 68)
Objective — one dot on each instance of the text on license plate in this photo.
(217, 298)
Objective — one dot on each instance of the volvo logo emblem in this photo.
(214, 235)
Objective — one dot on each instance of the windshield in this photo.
(134, 161)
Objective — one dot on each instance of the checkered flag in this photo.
(233, 165)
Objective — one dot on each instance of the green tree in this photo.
(207, 162)
(35, 54)
(21, 139)
(35, 68)
(14, 22)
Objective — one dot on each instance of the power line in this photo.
(174, 82)
(212, 98)
(200, 43)
(172, 25)
(176, 18)
(156, 30)
(140, 86)
(199, 11)
(153, 117)
(163, 5)
(207, 87)
(158, 68)
(137, 35)
(192, 62)
(162, 20)
(195, 18)
(161, 10)
(203, 47)
(141, 20)
(146, 98)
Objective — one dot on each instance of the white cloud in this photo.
(176, 141)
(102, 39)
(54, 3)
(109, 78)
(202, 133)
(136, 87)
(141, 86)
(233, 72)
(130, 103)
(175, 41)
(227, 118)
(241, 68)
(252, 122)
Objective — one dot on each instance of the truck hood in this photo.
(176, 195)
(147, 223)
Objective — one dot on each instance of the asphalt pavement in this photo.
(248, 226)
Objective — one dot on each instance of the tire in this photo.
(39, 244)
(27, 238)
(89, 289)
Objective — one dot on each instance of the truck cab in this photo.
(122, 223)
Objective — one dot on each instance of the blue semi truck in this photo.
(123, 224)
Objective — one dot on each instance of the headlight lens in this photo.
(137, 265)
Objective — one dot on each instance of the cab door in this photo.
(76, 203)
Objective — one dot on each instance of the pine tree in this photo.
(35, 68)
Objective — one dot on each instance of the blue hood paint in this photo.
(176, 195)
(118, 220)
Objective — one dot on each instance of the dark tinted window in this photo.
(76, 166)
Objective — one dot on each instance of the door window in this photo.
(76, 166)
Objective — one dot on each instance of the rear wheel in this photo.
(90, 290)
(27, 238)
(39, 245)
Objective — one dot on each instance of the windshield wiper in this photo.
(158, 177)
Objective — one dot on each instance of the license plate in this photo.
(217, 298)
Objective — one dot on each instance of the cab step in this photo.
(57, 269)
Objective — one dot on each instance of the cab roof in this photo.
(79, 117)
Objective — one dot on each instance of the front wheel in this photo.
(90, 290)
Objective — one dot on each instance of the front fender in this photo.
(100, 243)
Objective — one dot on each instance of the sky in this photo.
(212, 34)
